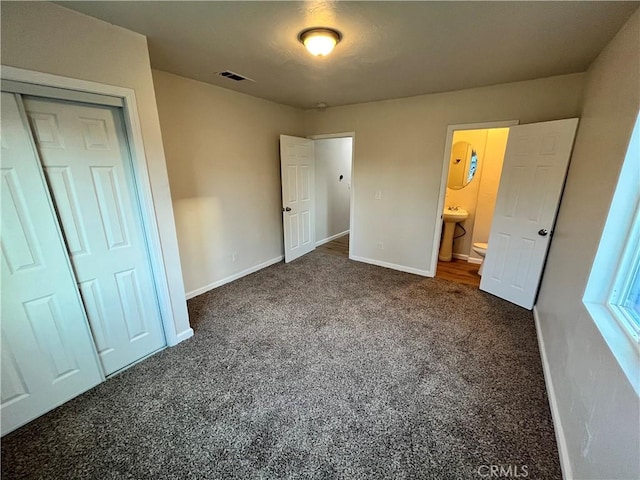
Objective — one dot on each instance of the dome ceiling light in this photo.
(320, 41)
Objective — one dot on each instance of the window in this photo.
(632, 302)
(625, 294)
(612, 296)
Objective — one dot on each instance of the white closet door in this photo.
(48, 355)
(88, 168)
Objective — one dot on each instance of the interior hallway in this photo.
(339, 247)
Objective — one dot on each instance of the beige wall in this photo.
(597, 406)
(489, 183)
(222, 151)
(48, 38)
(399, 151)
(333, 158)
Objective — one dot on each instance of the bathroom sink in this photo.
(451, 216)
(454, 216)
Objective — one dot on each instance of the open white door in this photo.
(298, 216)
(533, 174)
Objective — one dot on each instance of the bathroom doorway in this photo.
(472, 167)
(333, 189)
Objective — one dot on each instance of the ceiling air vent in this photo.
(234, 76)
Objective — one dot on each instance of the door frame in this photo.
(143, 195)
(445, 175)
(352, 135)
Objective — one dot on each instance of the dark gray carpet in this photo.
(321, 369)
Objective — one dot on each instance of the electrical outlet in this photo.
(234, 256)
(378, 195)
(380, 245)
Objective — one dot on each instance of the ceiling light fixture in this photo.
(319, 41)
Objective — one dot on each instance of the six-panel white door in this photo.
(87, 165)
(298, 215)
(533, 174)
(48, 355)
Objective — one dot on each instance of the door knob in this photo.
(543, 232)
(288, 209)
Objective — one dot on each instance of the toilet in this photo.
(481, 249)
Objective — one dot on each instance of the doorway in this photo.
(535, 163)
(475, 167)
(317, 193)
(438, 230)
(333, 194)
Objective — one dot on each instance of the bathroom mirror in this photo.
(462, 166)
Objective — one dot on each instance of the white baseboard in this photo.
(467, 258)
(182, 336)
(565, 464)
(331, 238)
(231, 278)
(392, 266)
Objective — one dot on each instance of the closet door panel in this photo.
(48, 356)
(84, 152)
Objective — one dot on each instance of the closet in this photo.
(78, 295)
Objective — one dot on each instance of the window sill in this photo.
(624, 348)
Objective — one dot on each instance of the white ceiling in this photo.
(389, 49)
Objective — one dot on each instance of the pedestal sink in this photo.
(451, 216)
